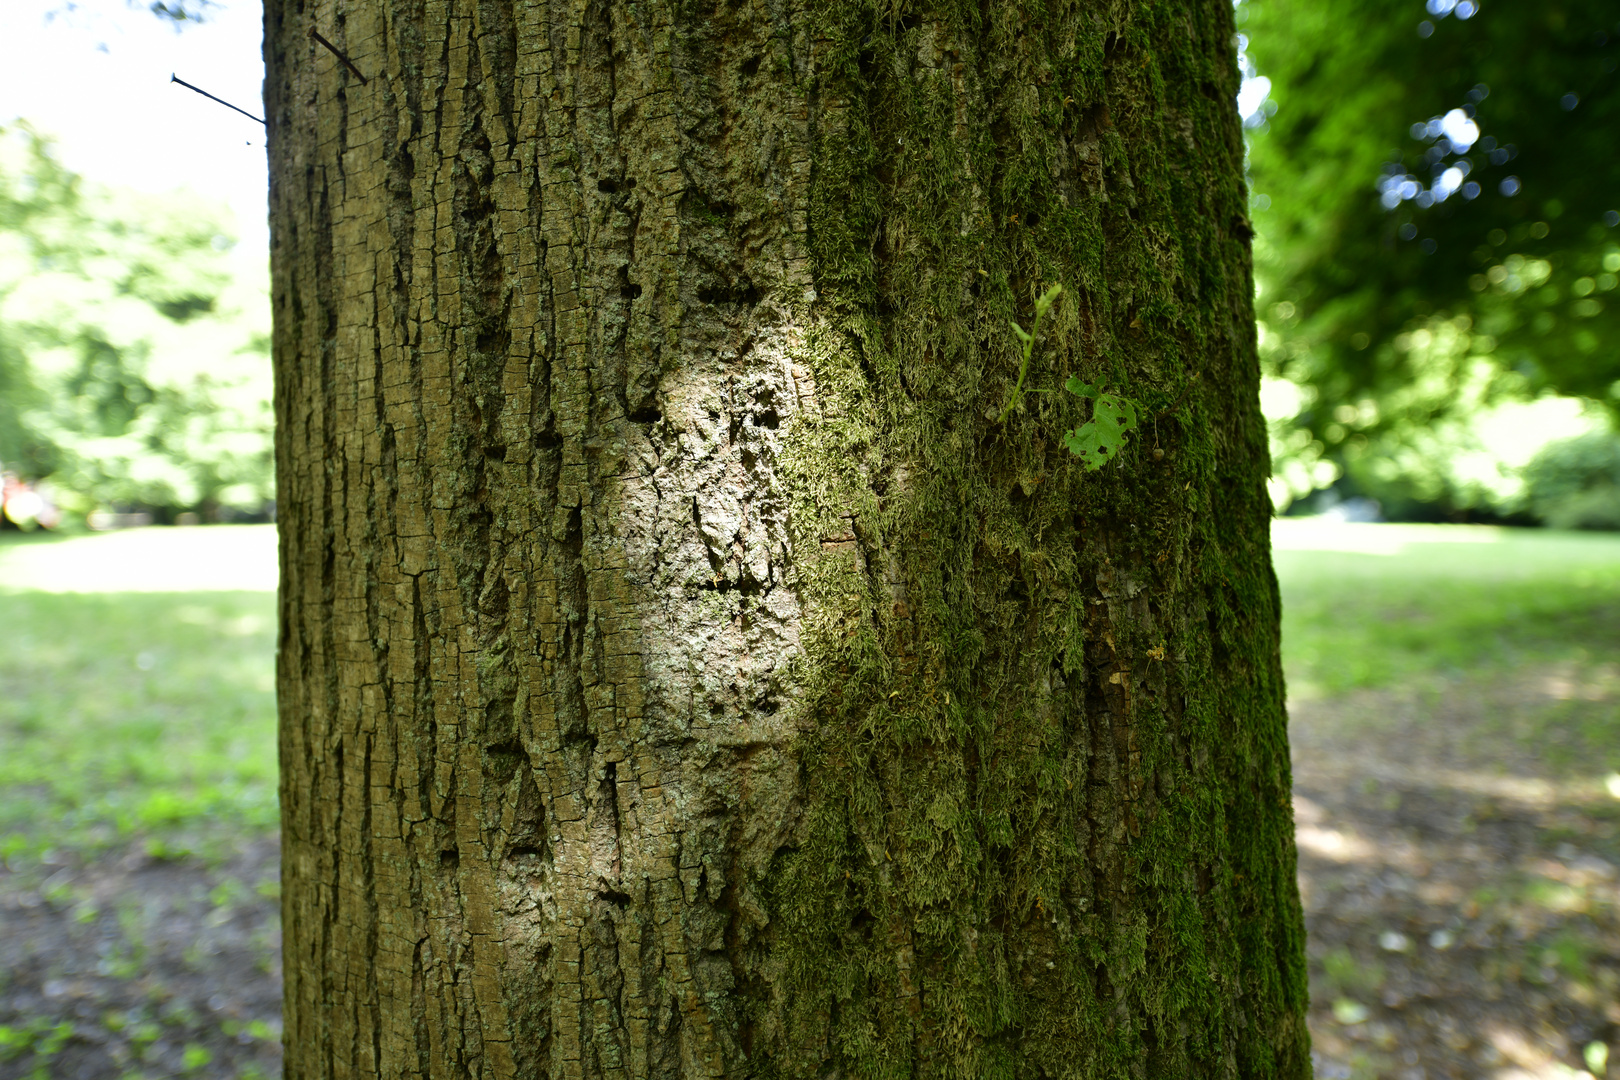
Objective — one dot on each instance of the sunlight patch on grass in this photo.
(1367, 538)
(1440, 600)
(224, 558)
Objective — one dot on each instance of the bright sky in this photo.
(96, 78)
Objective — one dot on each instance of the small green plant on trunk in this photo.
(1113, 416)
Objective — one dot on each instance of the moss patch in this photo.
(1048, 831)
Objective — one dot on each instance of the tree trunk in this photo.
(685, 670)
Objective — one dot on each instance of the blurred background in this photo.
(1436, 202)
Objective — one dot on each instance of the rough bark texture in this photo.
(683, 673)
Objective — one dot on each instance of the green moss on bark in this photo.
(1048, 829)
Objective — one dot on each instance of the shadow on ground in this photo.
(1461, 877)
(139, 966)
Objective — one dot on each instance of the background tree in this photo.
(1437, 208)
(132, 370)
(684, 670)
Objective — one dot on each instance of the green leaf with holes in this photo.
(1100, 439)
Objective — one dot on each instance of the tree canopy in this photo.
(131, 366)
(1437, 198)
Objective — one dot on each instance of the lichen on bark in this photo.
(683, 672)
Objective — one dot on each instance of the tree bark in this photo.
(684, 670)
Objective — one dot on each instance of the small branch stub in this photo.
(337, 52)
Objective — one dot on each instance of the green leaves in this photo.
(1099, 440)
(1363, 295)
(133, 344)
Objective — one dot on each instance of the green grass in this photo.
(151, 716)
(125, 715)
(1491, 599)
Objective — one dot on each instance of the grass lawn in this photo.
(139, 933)
(1421, 606)
(1455, 723)
(138, 780)
(1368, 605)
(133, 714)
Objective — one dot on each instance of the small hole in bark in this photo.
(449, 858)
(615, 897)
(547, 440)
(768, 419)
(744, 294)
(630, 183)
(502, 760)
(1032, 219)
(628, 289)
(574, 538)
(495, 453)
(647, 415)
(607, 187)
(750, 66)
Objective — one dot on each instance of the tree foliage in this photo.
(179, 12)
(131, 368)
(1437, 202)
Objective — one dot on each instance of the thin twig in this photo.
(175, 78)
(337, 52)
(1178, 402)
